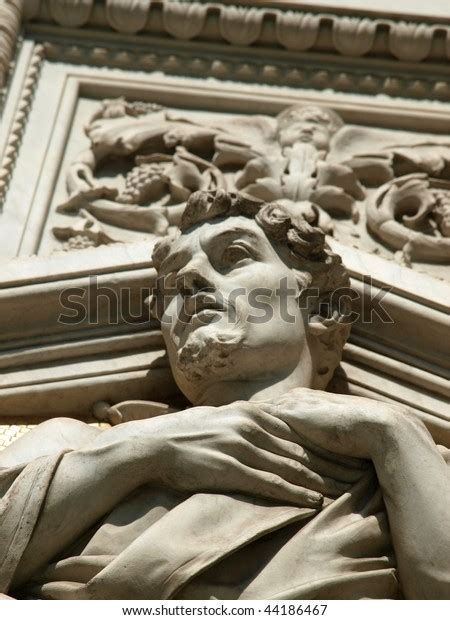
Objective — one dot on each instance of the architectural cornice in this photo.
(351, 34)
(348, 33)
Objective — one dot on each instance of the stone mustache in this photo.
(267, 486)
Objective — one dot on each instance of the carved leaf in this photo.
(401, 213)
(240, 26)
(408, 41)
(334, 200)
(353, 36)
(127, 15)
(341, 176)
(297, 31)
(71, 13)
(184, 21)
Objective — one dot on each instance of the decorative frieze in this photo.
(400, 190)
(279, 71)
(347, 35)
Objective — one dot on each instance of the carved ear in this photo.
(329, 324)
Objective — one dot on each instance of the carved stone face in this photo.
(219, 268)
(310, 126)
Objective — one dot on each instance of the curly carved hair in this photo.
(302, 247)
(300, 244)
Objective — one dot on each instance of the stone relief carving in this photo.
(412, 214)
(402, 198)
(266, 486)
(306, 156)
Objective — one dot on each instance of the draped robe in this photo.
(160, 544)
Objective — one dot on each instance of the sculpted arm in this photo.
(412, 473)
(86, 485)
(235, 448)
(416, 488)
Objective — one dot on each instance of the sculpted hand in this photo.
(241, 448)
(344, 425)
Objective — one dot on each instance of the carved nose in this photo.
(190, 281)
(222, 198)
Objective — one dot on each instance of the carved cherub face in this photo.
(213, 323)
(307, 124)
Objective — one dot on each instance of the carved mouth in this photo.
(202, 308)
(205, 316)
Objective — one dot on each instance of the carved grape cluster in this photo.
(78, 242)
(138, 181)
(441, 211)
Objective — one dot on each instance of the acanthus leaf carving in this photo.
(353, 36)
(239, 25)
(128, 16)
(184, 21)
(297, 31)
(410, 41)
(71, 13)
(294, 158)
(411, 214)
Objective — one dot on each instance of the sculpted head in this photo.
(246, 299)
(307, 123)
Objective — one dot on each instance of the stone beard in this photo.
(269, 489)
(209, 353)
(233, 253)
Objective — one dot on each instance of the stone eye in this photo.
(234, 253)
